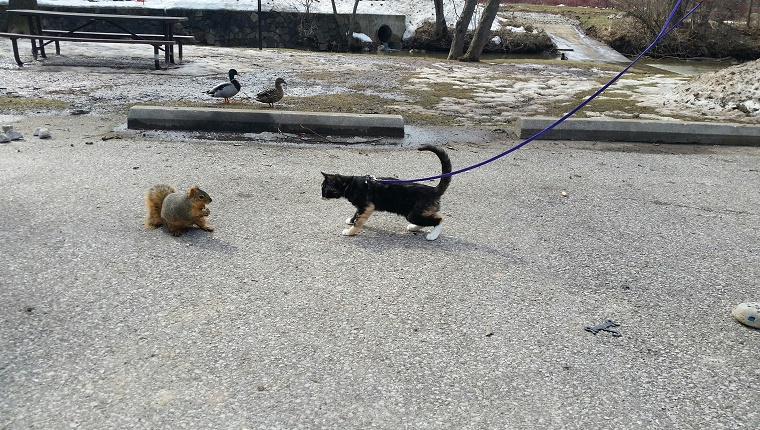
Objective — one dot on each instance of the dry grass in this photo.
(420, 102)
(343, 103)
(419, 106)
(26, 104)
(586, 15)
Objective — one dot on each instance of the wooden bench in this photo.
(179, 40)
(44, 40)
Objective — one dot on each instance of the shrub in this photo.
(508, 41)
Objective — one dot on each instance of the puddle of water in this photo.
(688, 67)
(415, 136)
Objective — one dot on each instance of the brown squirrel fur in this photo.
(177, 210)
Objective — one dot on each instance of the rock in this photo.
(10, 133)
(42, 133)
(4, 138)
(13, 134)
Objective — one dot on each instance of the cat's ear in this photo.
(324, 174)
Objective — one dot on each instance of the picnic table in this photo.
(41, 36)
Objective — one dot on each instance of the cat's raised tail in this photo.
(445, 167)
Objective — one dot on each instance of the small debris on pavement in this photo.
(607, 326)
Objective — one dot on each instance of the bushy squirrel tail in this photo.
(154, 199)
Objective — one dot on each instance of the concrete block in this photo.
(258, 121)
(631, 130)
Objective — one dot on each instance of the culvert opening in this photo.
(384, 34)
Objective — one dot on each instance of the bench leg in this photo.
(41, 49)
(14, 42)
(179, 51)
(156, 57)
(169, 49)
(57, 48)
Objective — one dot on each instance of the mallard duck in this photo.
(227, 89)
(272, 95)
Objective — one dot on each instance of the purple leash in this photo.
(663, 32)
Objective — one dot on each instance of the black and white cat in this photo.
(418, 203)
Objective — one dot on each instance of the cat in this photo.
(418, 203)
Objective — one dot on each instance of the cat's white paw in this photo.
(413, 227)
(350, 221)
(433, 235)
(347, 232)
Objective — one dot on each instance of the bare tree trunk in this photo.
(749, 13)
(338, 21)
(483, 32)
(441, 30)
(457, 43)
(350, 31)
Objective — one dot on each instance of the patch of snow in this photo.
(733, 91)
(501, 22)
(362, 37)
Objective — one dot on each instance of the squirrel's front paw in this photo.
(206, 212)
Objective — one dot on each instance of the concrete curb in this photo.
(257, 121)
(628, 130)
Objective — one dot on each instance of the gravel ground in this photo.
(277, 321)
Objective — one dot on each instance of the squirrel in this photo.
(177, 210)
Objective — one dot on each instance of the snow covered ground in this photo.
(730, 94)
(734, 89)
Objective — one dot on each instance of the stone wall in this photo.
(3, 17)
(242, 27)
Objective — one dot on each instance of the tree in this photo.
(350, 30)
(457, 42)
(651, 14)
(441, 30)
(709, 32)
(750, 3)
(483, 32)
(351, 20)
(337, 17)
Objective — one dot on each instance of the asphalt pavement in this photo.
(276, 321)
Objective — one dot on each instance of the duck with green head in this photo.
(226, 89)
